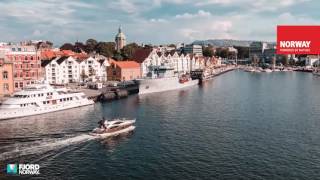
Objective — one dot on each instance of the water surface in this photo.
(238, 126)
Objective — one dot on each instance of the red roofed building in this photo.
(123, 70)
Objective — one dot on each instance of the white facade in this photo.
(311, 60)
(193, 49)
(94, 68)
(181, 63)
(62, 70)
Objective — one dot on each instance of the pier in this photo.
(210, 72)
(109, 93)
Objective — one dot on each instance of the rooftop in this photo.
(126, 64)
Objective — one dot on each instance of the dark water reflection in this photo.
(238, 126)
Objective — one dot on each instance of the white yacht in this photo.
(39, 99)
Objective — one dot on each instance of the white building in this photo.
(94, 68)
(193, 49)
(62, 70)
(181, 63)
(311, 60)
(67, 69)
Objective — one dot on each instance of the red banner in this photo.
(298, 40)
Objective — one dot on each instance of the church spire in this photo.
(120, 39)
(119, 30)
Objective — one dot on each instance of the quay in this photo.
(109, 93)
(210, 73)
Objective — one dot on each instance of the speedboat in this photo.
(114, 128)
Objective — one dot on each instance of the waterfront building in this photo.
(257, 49)
(70, 69)
(94, 68)
(26, 64)
(61, 70)
(6, 77)
(269, 54)
(180, 62)
(120, 40)
(123, 70)
(311, 60)
(193, 49)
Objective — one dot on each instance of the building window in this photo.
(31, 57)
(16, 85)
(5, 87)
(5, 75)
(25, 58)
(21, 84)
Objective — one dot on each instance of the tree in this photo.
(67, 46)
(222, 52)
(207, 52)
(105, 48)
(79, 47)
(117, 56)
(83, 75)
(172, 45)
(49, 43)
(128, 50)
(91, 45)
(285, 60)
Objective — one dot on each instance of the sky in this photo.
(151, 21)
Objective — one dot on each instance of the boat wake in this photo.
(32, 148)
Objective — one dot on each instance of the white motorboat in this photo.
(39, 99)
(114, 128)
(268, 70)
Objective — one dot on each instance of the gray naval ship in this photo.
(163, 78)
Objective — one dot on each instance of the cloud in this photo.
(158, 20)
(152, 21)
(200, 13)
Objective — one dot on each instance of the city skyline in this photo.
(175, 20)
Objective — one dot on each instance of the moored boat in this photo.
(39, 99)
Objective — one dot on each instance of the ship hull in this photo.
(147, 86)
(11, 113)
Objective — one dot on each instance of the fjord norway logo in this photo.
(23, 169)
(298, 40)
(12, 169)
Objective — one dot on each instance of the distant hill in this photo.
(223, 42)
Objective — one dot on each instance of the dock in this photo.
(111, 93)
(210, 73)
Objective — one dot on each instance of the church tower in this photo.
(120, 40)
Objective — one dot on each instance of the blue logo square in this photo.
(12, 169)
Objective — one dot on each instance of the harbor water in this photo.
(237, 126)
